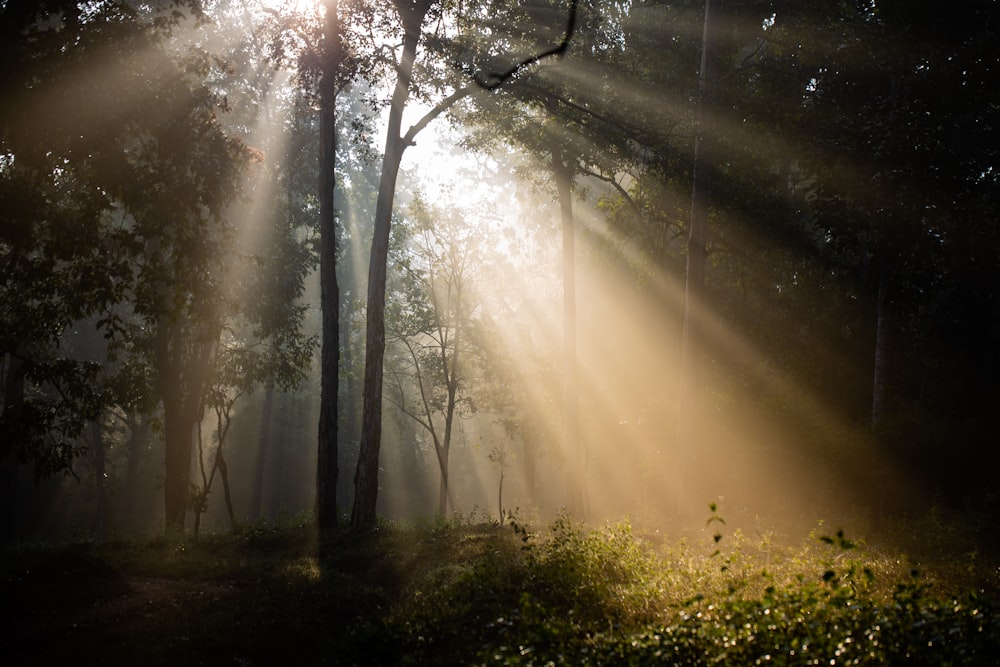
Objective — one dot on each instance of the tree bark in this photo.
(363, 513)
(327, 469)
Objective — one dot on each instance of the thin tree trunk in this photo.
(571, 401)
(363, 513)
(530, 468)
(327, 469)
(883, 326)
(264, 433)
(100, 525)
(443, 487)
(689, 402)
(451, 378)
(883, 308)
(500, 494)
(220, 462)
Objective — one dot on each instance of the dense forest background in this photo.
(643, 256)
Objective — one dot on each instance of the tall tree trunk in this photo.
(351, 417)
(327, 468)
(363, 513)
(574, 450)
(689, 403)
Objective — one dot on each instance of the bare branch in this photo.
(496, 79)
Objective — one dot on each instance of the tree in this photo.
(411, 15)
(327, 454)
(430, 319)
(170, 278)
(562, 171)
(694, 282)
(79, 243)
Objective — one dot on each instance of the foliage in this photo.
(456, 592)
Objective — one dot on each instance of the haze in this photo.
(624, 279)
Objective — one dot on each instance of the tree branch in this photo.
(438, 109)
(617, 186)
(496, 79)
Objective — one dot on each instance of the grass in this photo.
(458, 592)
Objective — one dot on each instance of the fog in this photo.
(798, 411)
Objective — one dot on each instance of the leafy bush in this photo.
(838, 615)
(459, 592)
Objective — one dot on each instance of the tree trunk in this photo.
(139, 428)
(100, 525)
(500, 495)
(574, 451)
(182, 367)
(366, 478)
(351, 413)
(883, 326)
(220, 463)
(13, 402)
(327, 468)
(689, 402)
(264, 433)
(451, 378)
(177, 436)
(530, 468)
(443, 488)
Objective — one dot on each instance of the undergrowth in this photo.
(474, 592)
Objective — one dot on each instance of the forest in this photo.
(500, 331)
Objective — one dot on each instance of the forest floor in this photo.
(464, 593)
